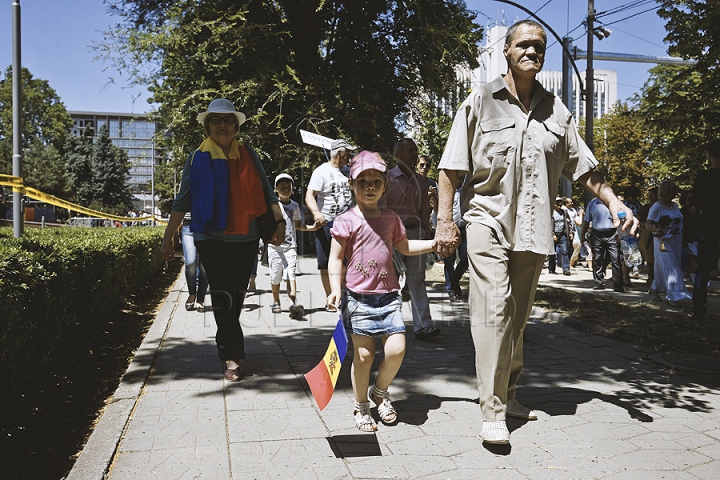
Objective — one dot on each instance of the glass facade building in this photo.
(133, 133)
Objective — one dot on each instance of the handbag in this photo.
(267, 225)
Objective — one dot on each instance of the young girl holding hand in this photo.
(365, 236)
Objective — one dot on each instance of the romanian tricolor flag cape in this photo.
(322, 379)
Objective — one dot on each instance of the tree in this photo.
(335, 67)
(622, 147)
(44, 116)
(44, 169)
(78, 164)
(110, 169)
(679, 103)
(431, 129)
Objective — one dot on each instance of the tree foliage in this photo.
(97, 172)
(334, 67)
(78, 164)
(621, 148)
(44, 116)
(431, 129)
(44, 169)
(680, 104)
(110, 169)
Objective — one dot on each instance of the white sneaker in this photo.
(495, 432)
(635, 273)
(515, 409)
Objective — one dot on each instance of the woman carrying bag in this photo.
(225, 188)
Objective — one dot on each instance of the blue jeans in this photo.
(453, 273)
(195, 275)
(561, 255)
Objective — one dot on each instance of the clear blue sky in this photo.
(57, 40)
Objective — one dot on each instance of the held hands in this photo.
(447, 238)
(279, 236)
(319, 219)
(334, 300)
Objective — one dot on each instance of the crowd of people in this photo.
(669, 239)
(493, 210)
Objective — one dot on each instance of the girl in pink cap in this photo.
(364, 236)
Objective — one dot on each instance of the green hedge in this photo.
(57, 284)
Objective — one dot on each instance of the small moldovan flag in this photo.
(322, 378)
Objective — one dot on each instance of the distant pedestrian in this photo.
(631, 199)
(195, 275)
(563, 234)
(407, 196)
(424, 166)
(282, 258)
(603, 244)
(454, 272)
(574, 249)
(665, 222)
(328, 195)
(646, 242)
(706, 198)
(363, 239)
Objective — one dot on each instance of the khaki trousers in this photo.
(502, 290)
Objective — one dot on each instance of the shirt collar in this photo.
(540, 93)
(396, 171)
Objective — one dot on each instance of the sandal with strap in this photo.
(363, 420)
(233, 374)
(381, 398)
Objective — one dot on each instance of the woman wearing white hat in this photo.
(225, 188)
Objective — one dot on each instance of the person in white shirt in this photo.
(331, 187)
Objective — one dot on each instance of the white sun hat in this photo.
(221, 105)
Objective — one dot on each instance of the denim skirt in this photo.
(375, 315)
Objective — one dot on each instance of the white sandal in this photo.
(381, 398)
(363, 420)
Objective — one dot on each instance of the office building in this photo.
(136, 135)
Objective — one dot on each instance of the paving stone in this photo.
(604, 413)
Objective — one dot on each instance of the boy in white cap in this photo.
(284, 257)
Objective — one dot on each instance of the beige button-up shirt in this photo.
(514, 159)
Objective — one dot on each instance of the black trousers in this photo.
(228, 266)
(707, 260)
(605, 249)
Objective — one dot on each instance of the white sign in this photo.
(315, 139)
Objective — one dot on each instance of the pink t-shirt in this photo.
(369, 250)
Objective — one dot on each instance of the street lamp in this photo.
(601, 32)
(17, 164)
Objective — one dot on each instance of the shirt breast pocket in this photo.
(497, 140)
(555, 135)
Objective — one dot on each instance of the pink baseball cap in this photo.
(366, 160)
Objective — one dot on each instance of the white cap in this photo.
(284, 176)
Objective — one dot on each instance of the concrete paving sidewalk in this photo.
(604, 411)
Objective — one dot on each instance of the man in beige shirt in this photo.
(514, 140)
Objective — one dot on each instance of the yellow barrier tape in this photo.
(17, 184)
